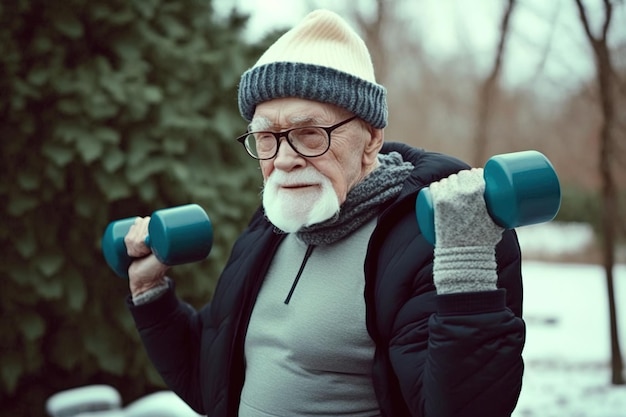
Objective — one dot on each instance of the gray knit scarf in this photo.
(363, 202)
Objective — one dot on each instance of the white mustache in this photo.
(306, 176)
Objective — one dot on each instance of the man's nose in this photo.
(287, 158)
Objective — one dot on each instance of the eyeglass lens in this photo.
(308, 141)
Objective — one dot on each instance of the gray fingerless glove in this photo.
(466, 236)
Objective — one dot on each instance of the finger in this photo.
(136, 237)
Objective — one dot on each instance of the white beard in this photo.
(291, 210)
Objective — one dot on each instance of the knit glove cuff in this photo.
(151, 294)
(465, 269)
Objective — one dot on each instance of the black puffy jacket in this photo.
(436, 355)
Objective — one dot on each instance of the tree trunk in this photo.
(604, 74)
(373, 31)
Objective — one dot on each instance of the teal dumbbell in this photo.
(176, 236)
(521, 188)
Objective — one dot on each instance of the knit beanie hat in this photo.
(321, 59)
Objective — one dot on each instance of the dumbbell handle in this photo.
(521, 188)
(176, 236)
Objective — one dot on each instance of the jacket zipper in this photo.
(307, 255)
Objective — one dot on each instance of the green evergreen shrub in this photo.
(108, 109)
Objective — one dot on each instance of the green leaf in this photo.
(89, 147)
(126, 49)
(75, 288)
(206, 193)
(64, 83)
(28, 180)
(148, 190)
(38, 76)
(69, 106)
(56, 176)
(174, 145)
(226, 124)
(58, 153)
(152, 94)
(22, 88)
(20, 204)
(136, 108)
(10, 369)
(106, 134)
(113, 187)
(140, 146)
(43, 44)
(100, 11)
(112, 82)
(31, 325)
(71, 130)
(22, 274)
(26, 244)
(174, 29)
(50, 289)
(49, 263)
(141, 172)
(121, 16)
(18, 102)
(68, 24)
(112, 159)
(180, 171)
(100, 107)
(146, 8)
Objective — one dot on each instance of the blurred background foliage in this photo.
(108, 109)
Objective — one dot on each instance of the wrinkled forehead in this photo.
(264, 123)
(285, 113)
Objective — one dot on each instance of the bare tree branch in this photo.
(489, 85)
(545, 50)
(608, 7)
(582, 13)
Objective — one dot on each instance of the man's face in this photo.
(300, 191)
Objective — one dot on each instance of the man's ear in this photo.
(375, 140)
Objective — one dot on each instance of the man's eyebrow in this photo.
(259, 123)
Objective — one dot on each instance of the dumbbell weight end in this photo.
(180, 235)
(521, 188)
(176, 235)
(113, 247)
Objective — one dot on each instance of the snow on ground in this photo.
(555, 238)
(567, 350)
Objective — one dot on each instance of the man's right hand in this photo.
(146, 271)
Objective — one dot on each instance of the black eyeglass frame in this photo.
(285, 134)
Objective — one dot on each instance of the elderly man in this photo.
(332, 302)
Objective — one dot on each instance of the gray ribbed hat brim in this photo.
(312, 82)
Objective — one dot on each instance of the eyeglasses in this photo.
(307, 141)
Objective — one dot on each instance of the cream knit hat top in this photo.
(321, 59)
